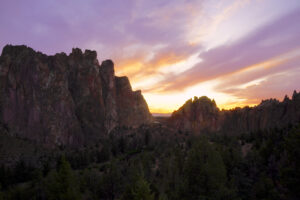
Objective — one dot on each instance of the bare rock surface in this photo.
(201, 115)
(65, 99)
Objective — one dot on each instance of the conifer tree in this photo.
(205, 174)
(61, 184)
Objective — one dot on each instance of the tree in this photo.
(111, 182)
(140, 190)
(205, 174)
(290, 169)
(61, 184)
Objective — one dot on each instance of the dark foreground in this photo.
(155, 162)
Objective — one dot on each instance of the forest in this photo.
(154, 163)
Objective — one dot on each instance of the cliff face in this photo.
(202, 115)
(65, 99)
(268, 114)
(196, 115)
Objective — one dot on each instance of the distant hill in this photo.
(161, 114)
(201, 115)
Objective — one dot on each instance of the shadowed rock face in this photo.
(65, 99)
(196, 115)
(202, 115)
(132, 106)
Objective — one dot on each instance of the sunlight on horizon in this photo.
(167, 103)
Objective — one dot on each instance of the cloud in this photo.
(112, 28)
(255, 73)
(272, 40)
(275, 86)
(163, 57)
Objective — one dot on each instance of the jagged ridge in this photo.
(202, 115)
(65, 99)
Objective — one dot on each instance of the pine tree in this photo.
(61, 184)
(290, 169)
(111, 182)
(140, 190)
(205, 174)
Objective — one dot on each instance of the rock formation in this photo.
(65, 99)
(202, 115)
(196, 115)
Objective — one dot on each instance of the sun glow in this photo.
(168, 102)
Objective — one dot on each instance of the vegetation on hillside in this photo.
(155, 163)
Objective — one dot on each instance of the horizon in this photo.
(251, 106)
(167, 114)
(236, 52)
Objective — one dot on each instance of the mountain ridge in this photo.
(72, 100)
(200, 115)
(65, 99)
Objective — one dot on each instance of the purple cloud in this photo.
(106, 26)
(272, 40)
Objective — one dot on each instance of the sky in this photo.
(237, 52)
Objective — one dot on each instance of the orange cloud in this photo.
(140, 68)
(255, 73)
(129, 67)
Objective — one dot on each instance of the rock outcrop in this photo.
(269, 114)
(65, 99)
(197, 115)
(202, 115)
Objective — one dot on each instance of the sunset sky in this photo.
(236, 52)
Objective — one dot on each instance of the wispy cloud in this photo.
(273, 40)
(171, 50)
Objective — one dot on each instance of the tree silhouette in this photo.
(61, 184)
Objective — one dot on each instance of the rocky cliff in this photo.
(202, 115)
(196, 115)
(65, 99)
